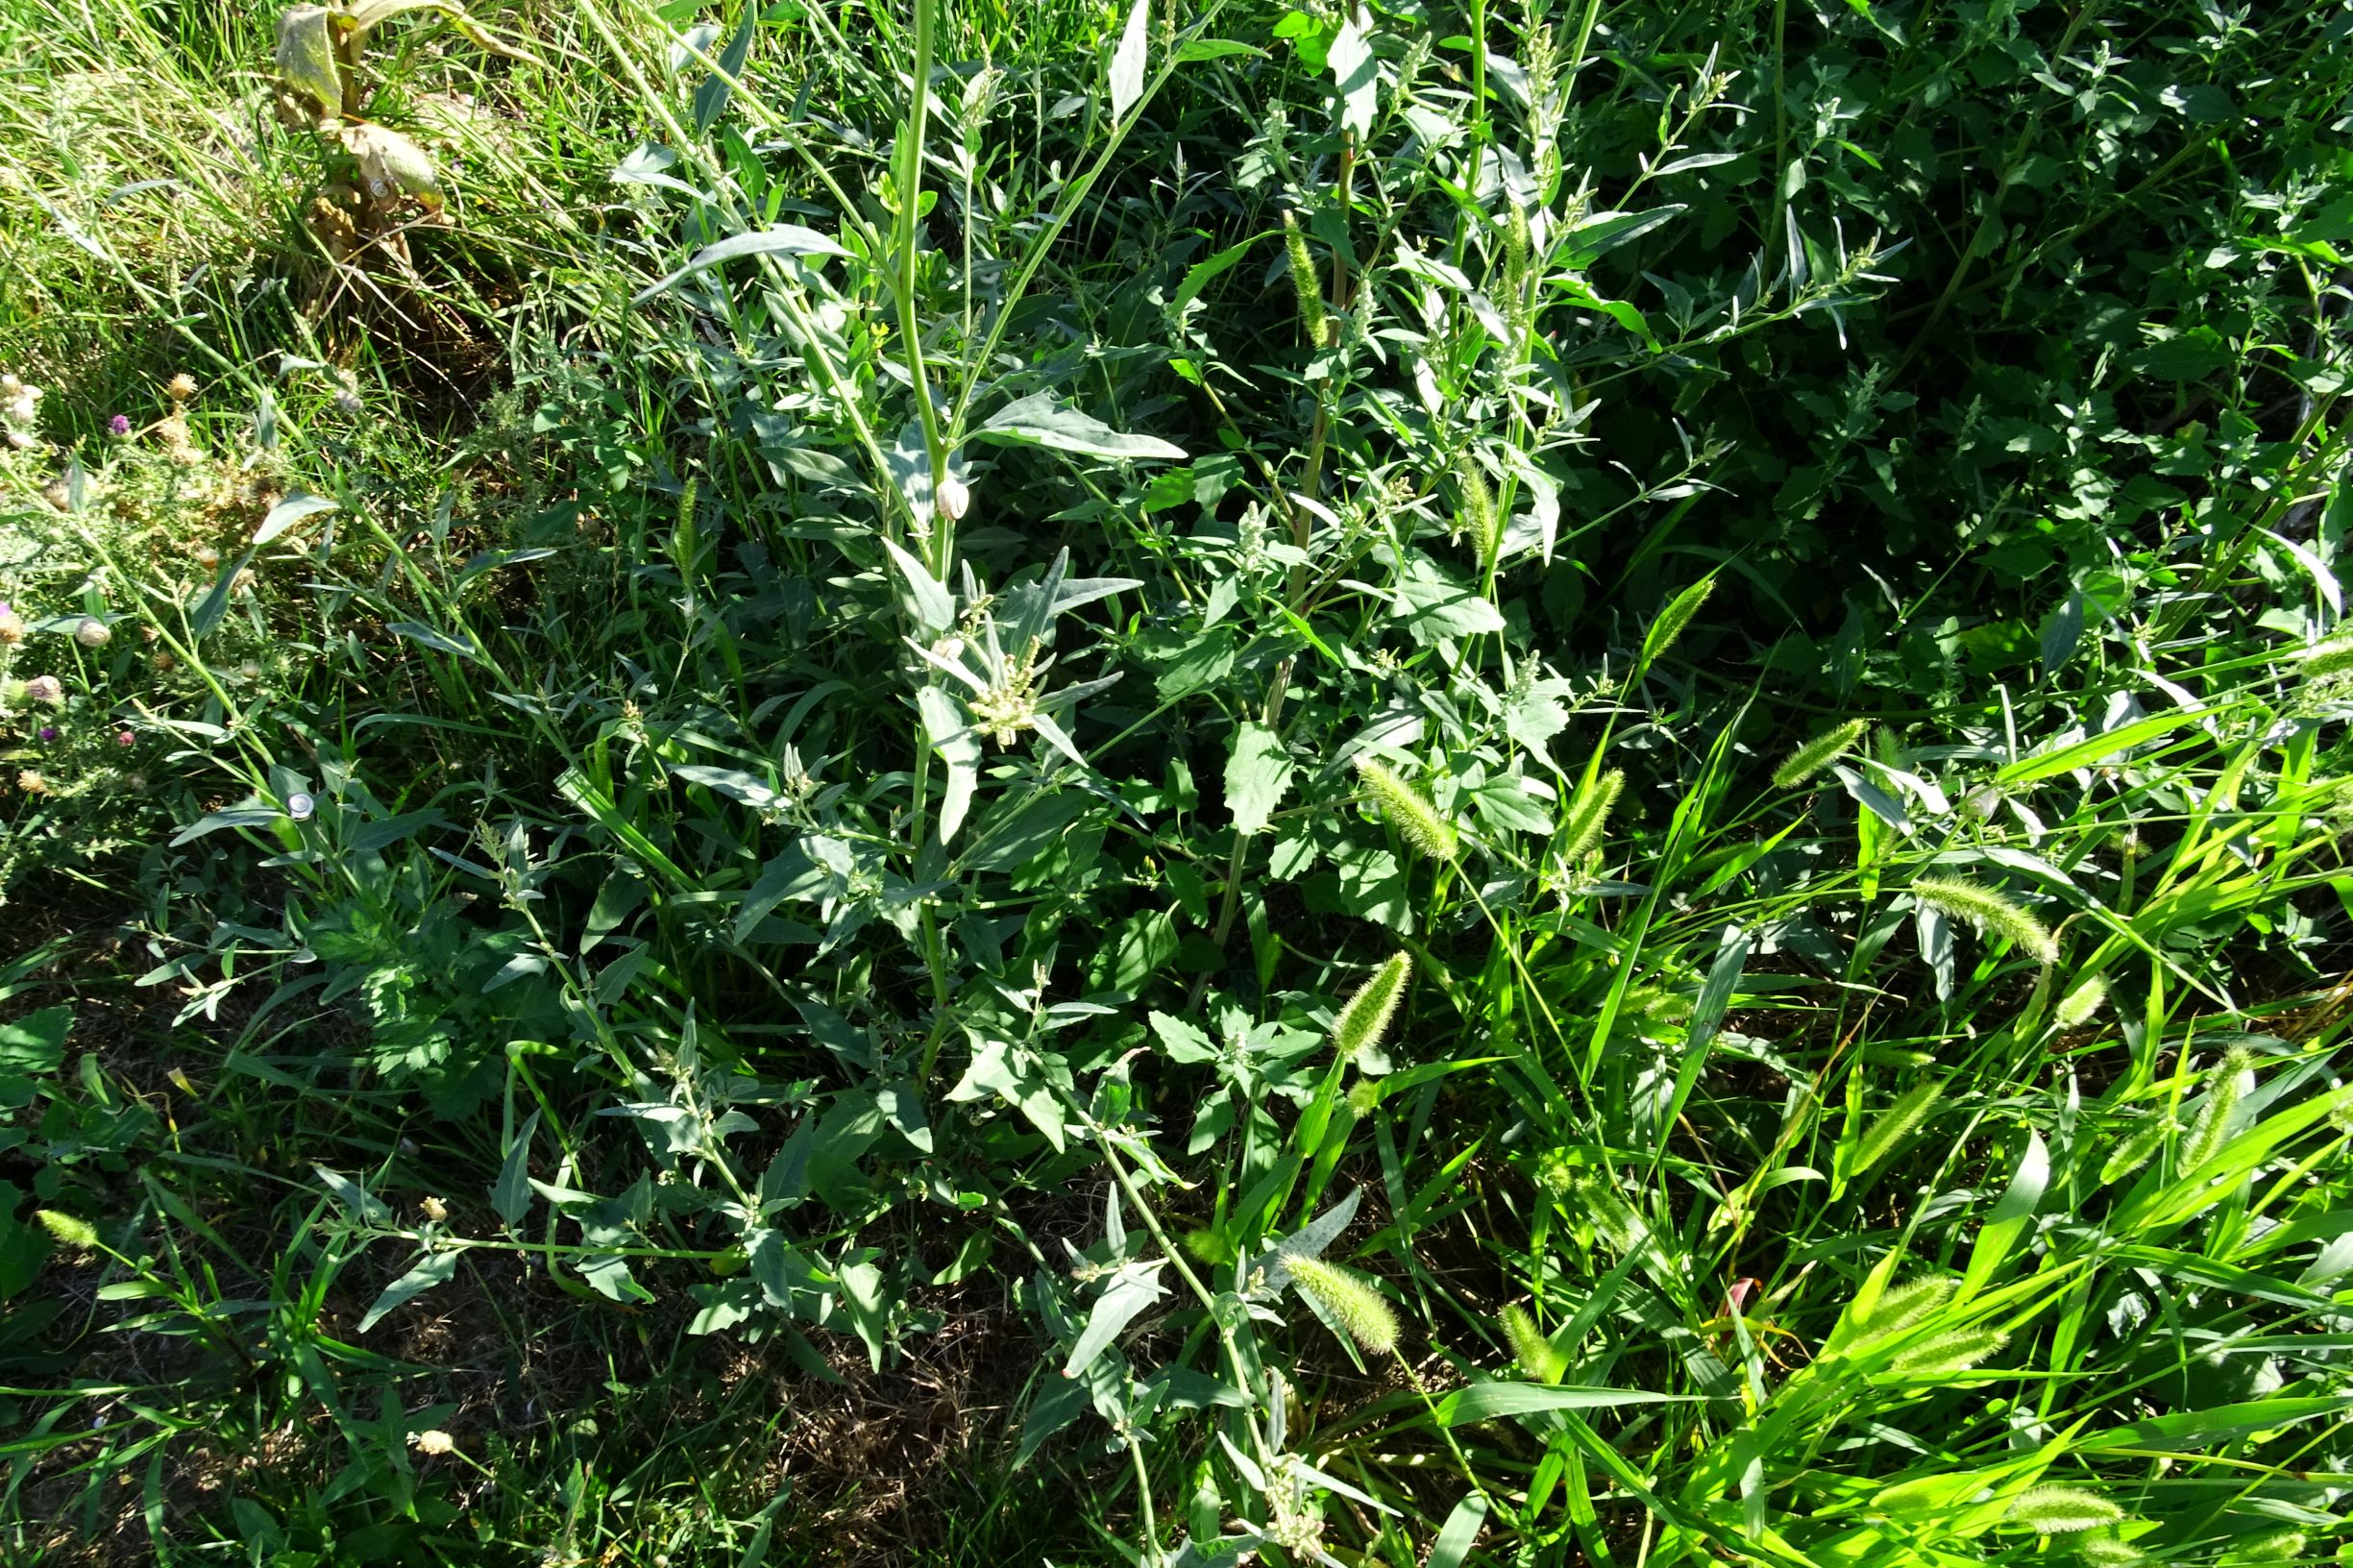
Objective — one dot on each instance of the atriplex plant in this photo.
(1642, 713)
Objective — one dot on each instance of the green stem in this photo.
(909, 196)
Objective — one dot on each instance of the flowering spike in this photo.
(2077, 1007)
(1676, 619)
(1539, 1357)
(1819, 754)
(1589, 816)
(2206, 1134)
(1304, 284)
(2052, 1511)
(1906, 1306)
(1990, 911)
(1416, 820)
(1365, 1019)
(1898, 1122)
(1355, 1305)
(1955, 1352)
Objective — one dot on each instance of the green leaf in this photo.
(1486, 1401)
(363, 1204)
(927, 596)
(711, 96)
(1038, 421)
(1357, 75)
(1459, 1534)
(951, 736)
(510, 1195)
(434, 1268)
(1127, 61)
(288, 512)
(1258, 775)
(783, 239)
(1134, 1288)
(35, 1043)
(1436, 608)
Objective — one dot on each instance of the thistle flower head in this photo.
(1365, 1019)
(1352, 1303)
(1417, 821)
(1990, 911)
(181, 387)
(1819, 754)
(48, 732)
(120, 425)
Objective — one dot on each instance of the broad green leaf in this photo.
(1486, 1401)
(925, 597)
(288, 512)
(1038, 421)
(363, 1204)
(1127, 61)
(1258, 775)
(306, 56)
(1356, 75)
(510, 1195)
(35, 1043)
(1459, 1534)
(951, 736)
(783, 239)
(1134, 1288)
(434, 1268)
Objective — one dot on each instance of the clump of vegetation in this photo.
(1173, 784)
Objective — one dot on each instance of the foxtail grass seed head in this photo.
(2059, 1510)
(1589, 817)
(1475, 515)
(1819, 754)
(1365, 1019)
(74, 1231)
(1675, 620)
(1354, 1305)
(2077, 1007)
(1593, 1197)
(1946, 1352)
(1897, 1124)
(1417, 821)
(1990, 911)
(1539, 1357)
(2213, 1124)
(2328, 660)
(1365, 1097)
(1304, 282)
(2107, 1552)
(2135, 1151)
(1906, 1306)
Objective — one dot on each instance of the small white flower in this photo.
(432, 1441)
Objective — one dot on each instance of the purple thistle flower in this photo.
(119, 425)
(49, 732)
